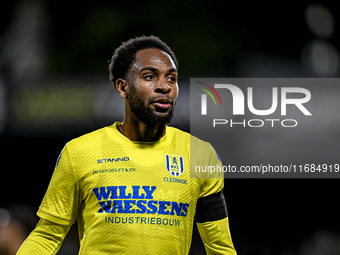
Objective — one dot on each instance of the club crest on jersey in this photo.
(174, 164)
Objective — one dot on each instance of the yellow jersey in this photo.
(129, 197)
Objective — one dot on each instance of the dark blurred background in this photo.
(54, 86)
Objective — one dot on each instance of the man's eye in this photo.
(148, 77)
(171, 79)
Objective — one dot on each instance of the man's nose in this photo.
(162, 86)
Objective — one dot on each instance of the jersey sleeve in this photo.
(213, 181)
(211, 211)
(211, 205)
(45, 239)
(62, 199)
(216, 237)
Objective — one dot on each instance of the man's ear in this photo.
(121, 86)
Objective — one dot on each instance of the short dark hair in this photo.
(124, 56)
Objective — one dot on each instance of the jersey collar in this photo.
(116, 135)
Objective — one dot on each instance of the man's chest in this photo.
(139, 182)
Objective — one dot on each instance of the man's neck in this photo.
(139, 131)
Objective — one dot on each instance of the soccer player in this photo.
(128, 185)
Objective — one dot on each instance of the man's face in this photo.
(152, 86)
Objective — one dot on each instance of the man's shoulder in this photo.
(178, 132)
(193, 141)
(89, 139)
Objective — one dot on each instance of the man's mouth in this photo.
(162, 103)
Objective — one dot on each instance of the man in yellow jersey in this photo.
(128, 185)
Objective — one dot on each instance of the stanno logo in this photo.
(105, 160)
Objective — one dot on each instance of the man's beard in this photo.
(145, 114)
